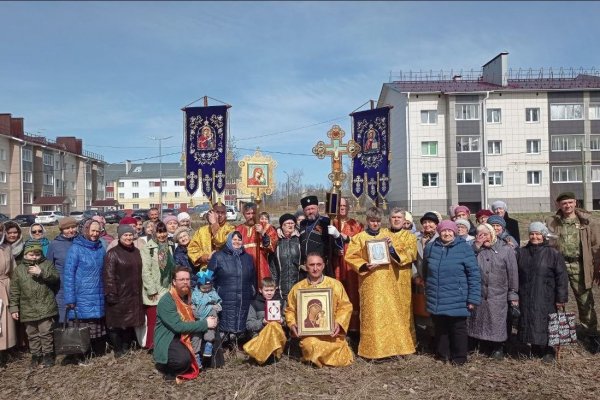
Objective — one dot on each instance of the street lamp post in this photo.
(287, 190)
(160, 189)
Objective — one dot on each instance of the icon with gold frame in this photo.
(378, 252)
(314, 311)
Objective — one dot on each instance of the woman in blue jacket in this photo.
(234, 282)
(83, 284)
(453, 289)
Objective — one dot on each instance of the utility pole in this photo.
(287, 190)
(160, 188)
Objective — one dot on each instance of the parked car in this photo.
(49, 217)
(4, 218)
(140, 212)
(114, 216)
(91, 213)
(78, 215)
(169, 211)
(200, 210)
(25, 219)
(232, 214)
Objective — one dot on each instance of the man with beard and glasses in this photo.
(317, 235)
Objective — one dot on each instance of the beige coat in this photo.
(8, 335)
(590, 241)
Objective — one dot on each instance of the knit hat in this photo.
(32, 245)
(447, 224)
(179, 231)
(286, 217)
(496, 219)
(490, 230)
(499, 204)
(309, 201)
(482, 213)
(565, 196)
(183, 216)
(169, 218)
(123, 229)
(128, 221)
(409, 217)
(66, 222)
(430, 216)
(538, 227)
(463, 209)
(463, 222)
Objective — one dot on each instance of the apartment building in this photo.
(41, 174)
(521, 136)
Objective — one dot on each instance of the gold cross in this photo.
(335, 150)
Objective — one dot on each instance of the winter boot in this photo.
(48, 360)
(36, 360)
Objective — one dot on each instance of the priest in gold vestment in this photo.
(386, 320)
(332, 350)
(211, 237)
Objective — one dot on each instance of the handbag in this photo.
(71, 339)
(141, 332)
(561, 328)
(419, 300)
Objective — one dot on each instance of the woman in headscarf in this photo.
(37, 233)
(234, 282)
(57, 253)
(157, 268)
(14, 237)
(83, 285)
(105, 238)
(148, 231)
(285, 263)
(172, 225)
(543, 288)
(499, 225)
(8, 338)
(499, 287)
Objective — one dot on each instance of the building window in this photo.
(429, 117)
(594, 142)
(561, 112)
(177, 194)
(73, 185)
(532, 115)
(121, 184)
(567, 142)
(594, 111)
(466, 144)
(135, 206)
(494, 115)
(3, 199)
(494, 147)
(135, 184)
(179, 183)
(534, 178)
(468, 176)
(595, 173)
(110, 195)
(495, 178)
(121, 195)
(48, 179)
(2, 177)
(27, 197)
(27, 177)
(48, 159)
(533, 146)
(430, 179)
(467, 111)
(2, 155)
(429, 148)
(164, 183)
(152, 194)
(27, 155)
(135, 195)
(566, 174)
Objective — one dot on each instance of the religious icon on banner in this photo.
(258, 175)
(206, 138)
(315, 312)
(371, 144)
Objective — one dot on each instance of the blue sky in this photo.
(115, 73)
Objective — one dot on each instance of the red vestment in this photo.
(251, 240)
(345, 274)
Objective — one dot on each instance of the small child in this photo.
(268, 336)
(182, 238)
(34, 284)
(205, 302)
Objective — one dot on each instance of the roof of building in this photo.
(114, 172)
(459, 85)
(51, 201)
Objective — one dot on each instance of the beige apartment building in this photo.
(41, 174)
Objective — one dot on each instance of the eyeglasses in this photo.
(37, 231)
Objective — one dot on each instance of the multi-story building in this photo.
(520, 136)
(40, 174)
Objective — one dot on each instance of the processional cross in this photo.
(335, 150)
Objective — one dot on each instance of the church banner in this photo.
(370, 167)
(205, 149)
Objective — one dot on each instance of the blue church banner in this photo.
(370, 167)
(205, 149)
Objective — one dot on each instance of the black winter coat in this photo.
(122, 276)
(234, 282)
(543, 282)
(285, 263)
(512, 227)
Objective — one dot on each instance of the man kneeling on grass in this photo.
(175, 325)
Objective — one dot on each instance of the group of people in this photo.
(186, 296)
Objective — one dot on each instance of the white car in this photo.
(49, 217)
(77, 215)
(232, 214)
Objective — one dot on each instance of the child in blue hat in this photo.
(205, 302)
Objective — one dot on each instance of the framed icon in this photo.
(273, 310)
(315, 312)
(258, 175)
(378, 252)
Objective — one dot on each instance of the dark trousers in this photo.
(451, 339)
(120, 339)
(179, 358)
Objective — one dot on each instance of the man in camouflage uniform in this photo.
(578, 239)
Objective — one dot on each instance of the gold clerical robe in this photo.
(270, 340)
(325, 350)
(203, 243)
(386, 319)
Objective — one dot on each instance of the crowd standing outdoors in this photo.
(447, 286)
